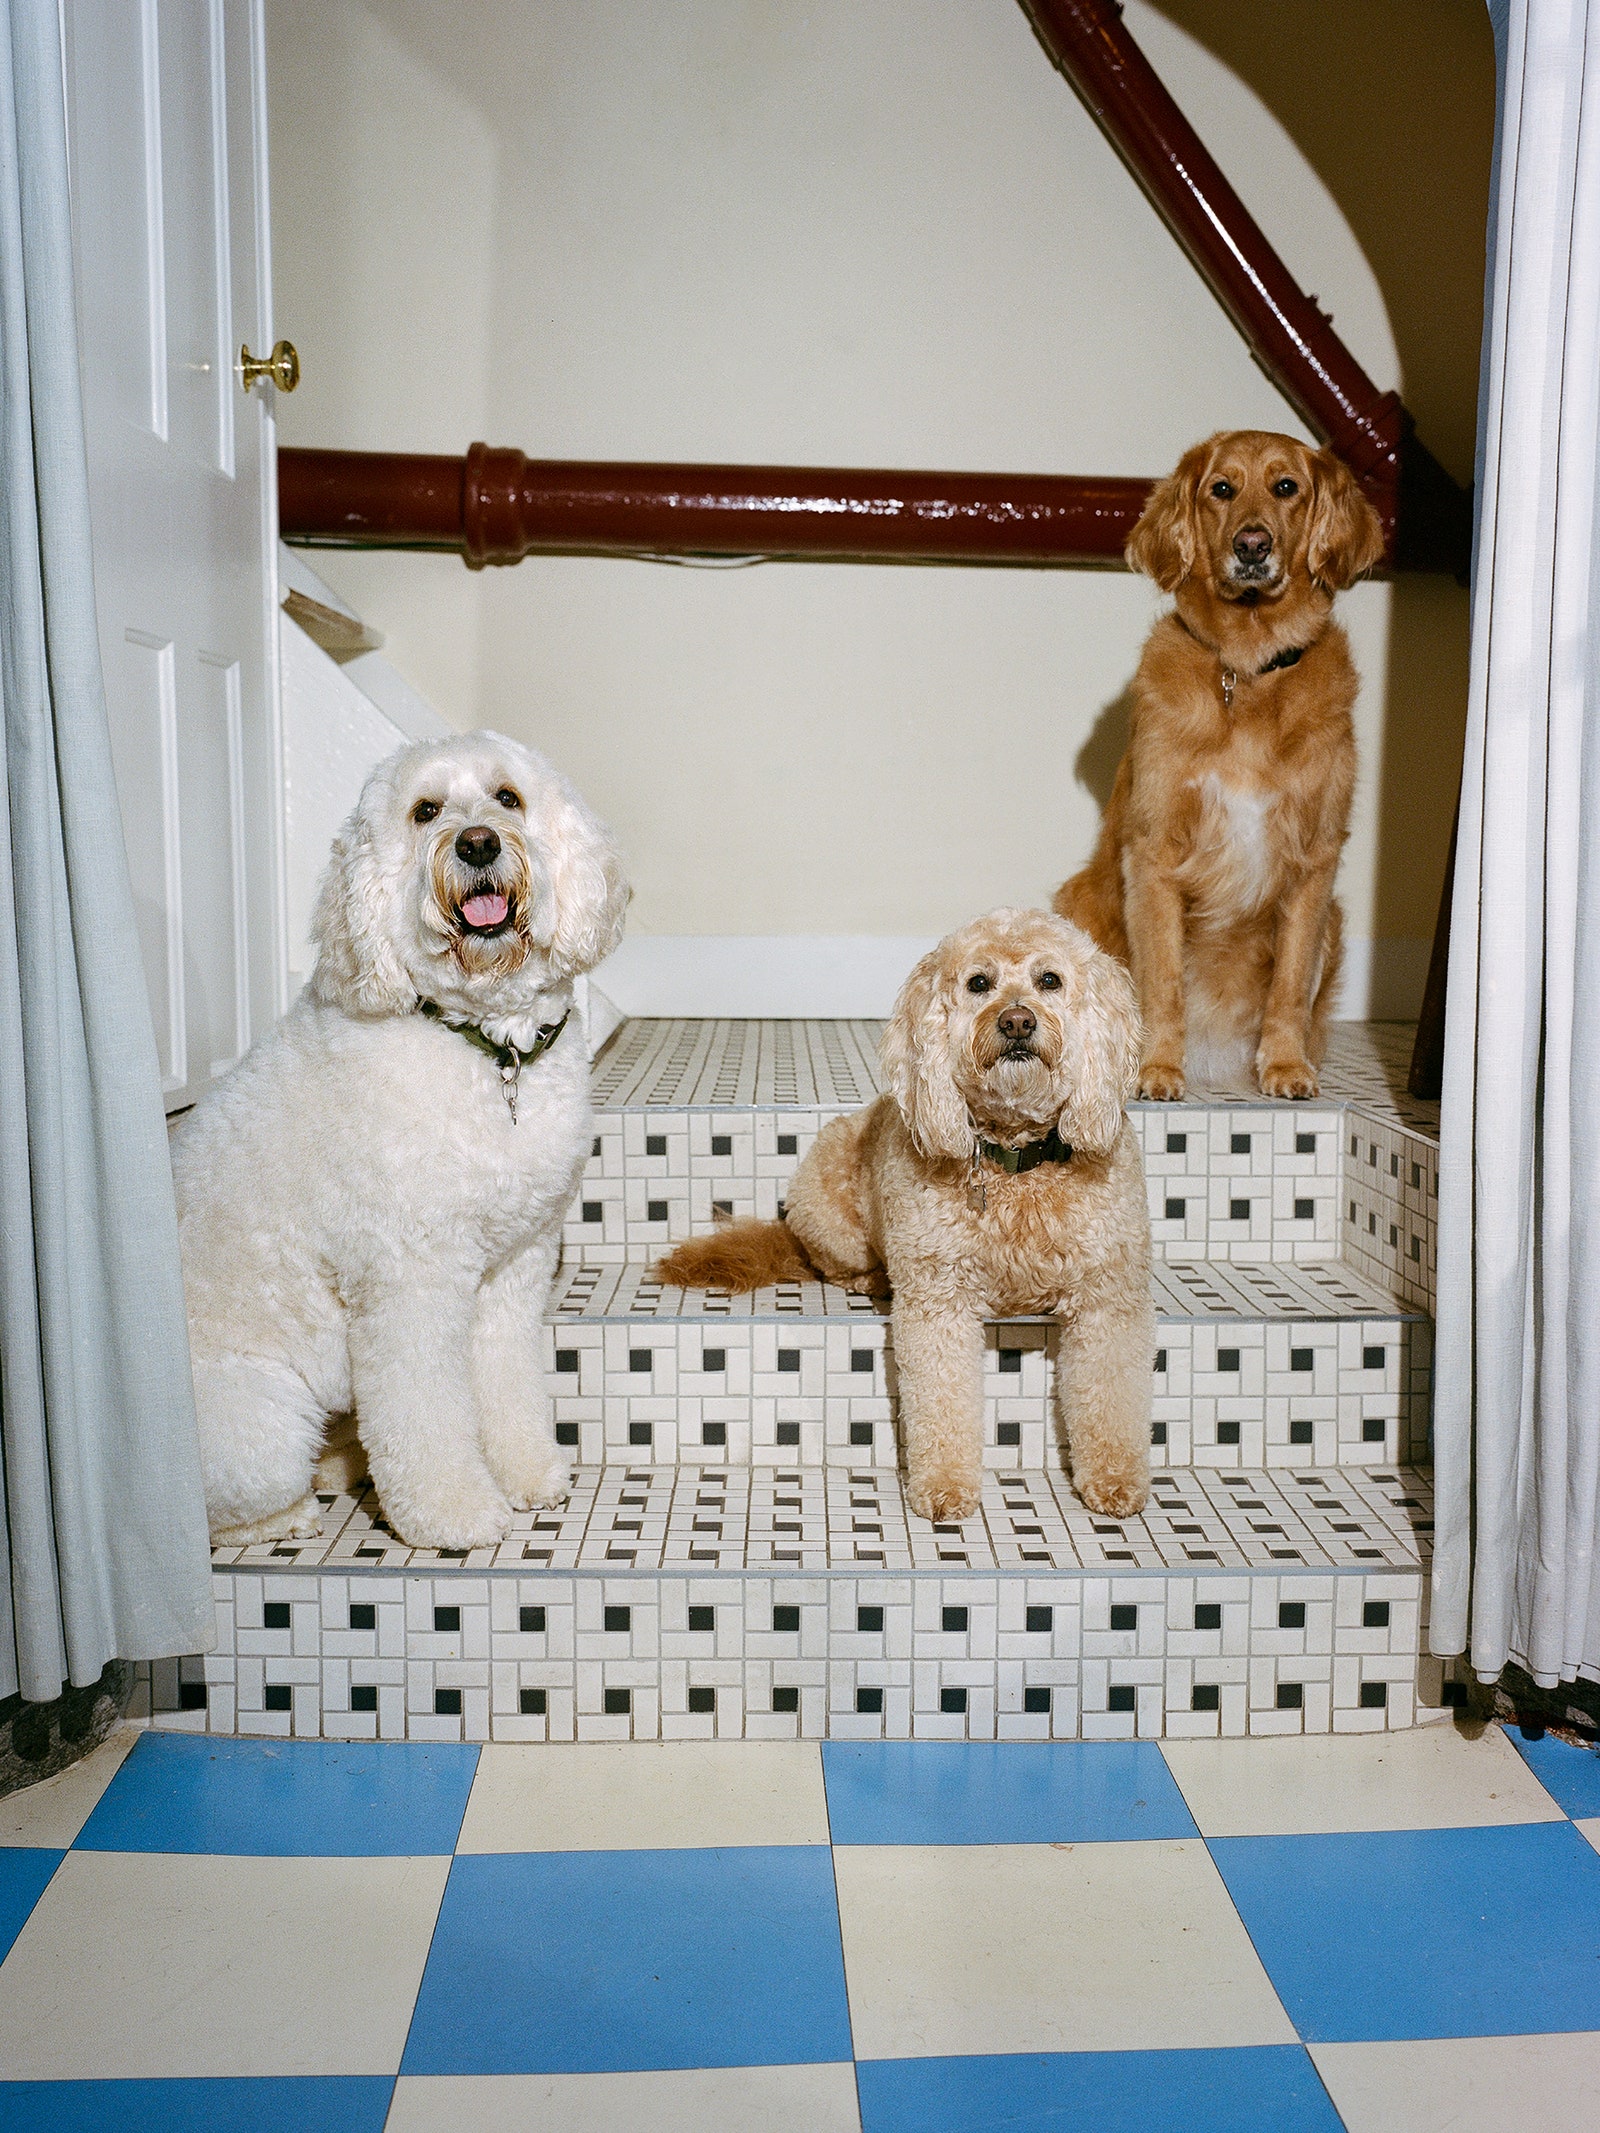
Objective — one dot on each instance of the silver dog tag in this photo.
(508, 1082)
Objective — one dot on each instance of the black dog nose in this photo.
(1018, 1022)
(1253, 544)
(477, 847)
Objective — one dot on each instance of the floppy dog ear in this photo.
(915, 1056)
(1344, 537)
(1101, 1060)
(588, 897)
(358, 967)
(1162, 544)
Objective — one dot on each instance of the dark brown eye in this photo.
(508, 798)
(1223, 489)
(1286, 487)
(425, 810)
(1049, 981)
(979, 983)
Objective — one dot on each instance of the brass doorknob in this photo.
(282, 367)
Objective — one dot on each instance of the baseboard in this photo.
(857, 975)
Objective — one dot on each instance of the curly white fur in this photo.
(365, 1229)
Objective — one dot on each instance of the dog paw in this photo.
(461, 1522)
(1295, 1078)
(944, 1499)
(1115, 1496)
(541, 1488)
(298, 1521)
(1160, 1082)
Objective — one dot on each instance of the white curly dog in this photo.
(370, 1204)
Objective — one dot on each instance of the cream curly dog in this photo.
(998, 1176)
(369, 1225)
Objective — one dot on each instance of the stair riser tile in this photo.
(1389, 1208)
(1247, 1185)
(658, 1678)
(1235, 1393)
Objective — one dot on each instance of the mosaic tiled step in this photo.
(735, 1518)
(1256, 1366)
(696, 1117)
(684, 1064)
(1243, 1603)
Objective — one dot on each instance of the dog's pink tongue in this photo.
(484, 910)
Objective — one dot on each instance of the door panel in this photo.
(166, 123)
(144, 752)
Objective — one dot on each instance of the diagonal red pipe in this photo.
(1427, 516)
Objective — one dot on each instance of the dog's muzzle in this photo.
(479, 883)
(1254, 565)
(487, 911)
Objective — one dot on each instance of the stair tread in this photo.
(705, 1518)
(1186, 1291)
(684, 1064)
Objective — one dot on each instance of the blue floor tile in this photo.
(24, 1873)
(355, 2103)
(1271, 2088)
(938, 1792)
(1571, 1775)
(182, 1792)
(595, 1962)
(1424, 1932)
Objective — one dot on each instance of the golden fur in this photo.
(1213, 876)
(887, 1196)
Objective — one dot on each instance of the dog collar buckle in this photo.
(1052, 1149)
(505, 1056)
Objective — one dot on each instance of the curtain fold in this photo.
(1517, 1387)
(103, 1533)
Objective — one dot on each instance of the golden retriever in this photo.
(1213, 876)
(998, 1175)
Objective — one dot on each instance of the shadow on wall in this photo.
(1095, 764)
(1395, 104)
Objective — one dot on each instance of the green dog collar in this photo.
(1052, 1149)
(507, 1057)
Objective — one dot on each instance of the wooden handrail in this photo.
(495, 505)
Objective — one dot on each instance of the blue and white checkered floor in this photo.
(1397, 1933)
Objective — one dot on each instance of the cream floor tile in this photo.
(1465, 2084)
(724, 2099)
(1047, 1948)
(1591, 1829)
(1434, 1778)
(649, 1796)
(150, 1963)
(53, 1813)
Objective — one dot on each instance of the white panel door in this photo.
(167, 128)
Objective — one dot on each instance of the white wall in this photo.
(826, 233)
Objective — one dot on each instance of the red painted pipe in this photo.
(1285, 331)
(1427, 517)
(497, 506)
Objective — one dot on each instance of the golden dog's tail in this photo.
(737, 1256)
